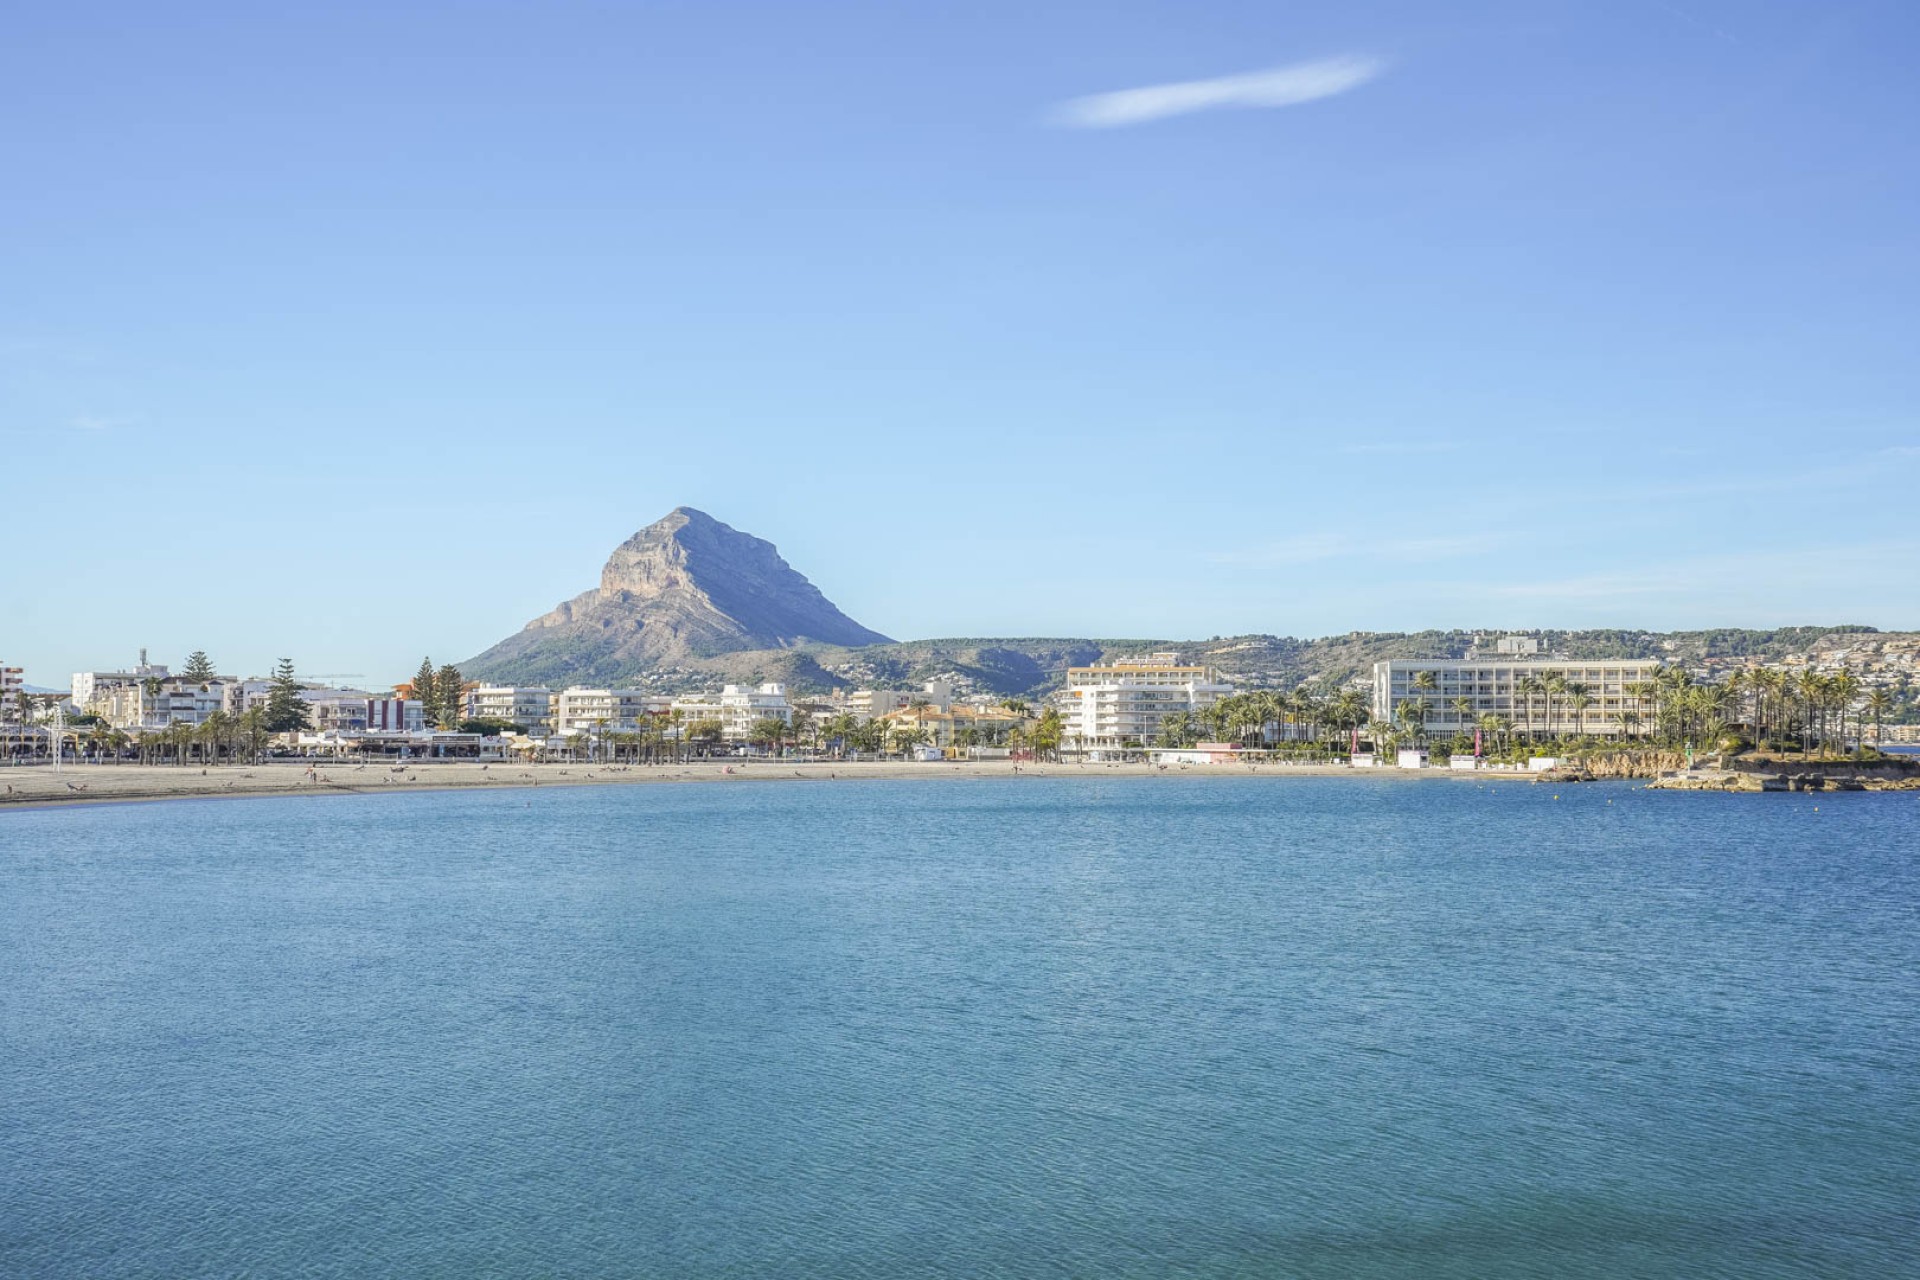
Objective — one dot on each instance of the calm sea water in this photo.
(1058, 1027)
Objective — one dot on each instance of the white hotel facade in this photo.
(1111, 704)
(1504, 687)
(737, 709)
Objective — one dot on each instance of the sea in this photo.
(1057, 1026)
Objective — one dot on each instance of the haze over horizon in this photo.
(363, 332)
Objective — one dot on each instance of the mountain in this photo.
(1031, 667)
(683, 589)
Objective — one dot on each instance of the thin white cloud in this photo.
(1278, 87)
(96, 422)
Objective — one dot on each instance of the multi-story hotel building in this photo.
(1111, 704)
(580, 710)
(530, 706)
(1509, 687)
(742, 707)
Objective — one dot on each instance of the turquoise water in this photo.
(1053, 1027)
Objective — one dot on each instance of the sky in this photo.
(353, 333)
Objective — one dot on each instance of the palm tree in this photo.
(1524, 689)
(1463, 712)
(1552, 686)
(1176, 729)
(1809, 689)
(1414, 712)
(1349, 711)
(1579, 698)
(1879, 702)
(1737, 682)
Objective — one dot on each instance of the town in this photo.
(1506, 703)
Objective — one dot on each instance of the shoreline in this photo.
(39, 787)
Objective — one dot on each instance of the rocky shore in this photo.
(1669, 771)
(1835, 778)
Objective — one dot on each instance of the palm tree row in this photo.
(1300, 716)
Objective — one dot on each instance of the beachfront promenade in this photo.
(40, 784)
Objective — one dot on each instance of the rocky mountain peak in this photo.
(685, 585)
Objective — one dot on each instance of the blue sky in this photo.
(356, 332)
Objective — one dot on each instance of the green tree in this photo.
(767, 731)
(423, 690)
(1413, 713)
(448, 696)
(1047, 732)
(1879, 702)
(1176, 729)
(1579, 698)
(1552, 687)
(907, 736)
(254, 731)
(199, 668)
(286, 709)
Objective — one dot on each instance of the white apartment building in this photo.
(335, 710)
(89, 684)
(358, 711)
(528, 705)
(581, 710)
(155, 703)
(870, 704)
(13, 682)
(1113, 703)
(1504, 687)
(741, 707)
(244, 695)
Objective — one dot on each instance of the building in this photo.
(871, 704)
(1116, 703)
(352, 711)
(244, 695)
(957, 726)
(13, 683)
(530, 706)
(89, 684)
(338, 710)
(395, 715)
(334, 711)
(581, 710)
(156, 702)
(741, 708)
(1511, 688)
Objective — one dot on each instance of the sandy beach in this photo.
(80, 784)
